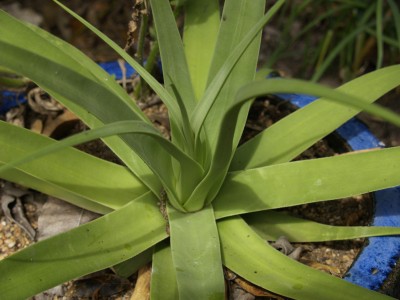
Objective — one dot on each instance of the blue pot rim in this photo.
(377, 259)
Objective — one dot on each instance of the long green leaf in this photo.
(239, 25)
(216, 173)
(175, 68)
(109, 187)
(196, 254)
(153, 83)
(307, 181)
(119, 147)
(24, 48)
(289, 137)
(159, 159)
(228, 63)
(249, 256)
(199, 39)
(163, 275)
(132, 265)
(259, 88)
(169, 101)
(271, 225)
(97, 245)
(73, 79)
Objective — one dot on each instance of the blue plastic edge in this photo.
(10, 99)
(114, 68)
(377, 259)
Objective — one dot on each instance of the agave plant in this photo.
(180, 202)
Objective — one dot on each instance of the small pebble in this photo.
(9, 243)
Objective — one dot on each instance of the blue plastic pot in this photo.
(9, 100)
(378, 258)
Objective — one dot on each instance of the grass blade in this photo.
(249, 256)
(396, 16)
(379, 33)
(335, 52)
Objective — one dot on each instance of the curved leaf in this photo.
(168, 100)
(175, 68)
(307, 181)
(199, 38)
(271, 225)
(74, 80)
(159, 159)
(249, 256)
(292, 135)
(196, 254)
(132, 265)
(109, 187)
(240, 24)
(94, 246)
(163, 275)
(216, 82)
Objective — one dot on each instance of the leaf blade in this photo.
(196, 254)
(228, 74)
(270, 225)
(74, 80)
(292, 135)
(175, 67)
(243, 250)
(158, 160)
(163, 276)
(109, 188)
(199, 39)
(88, 248)
(307, 181)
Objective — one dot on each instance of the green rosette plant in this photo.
(179, 202)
